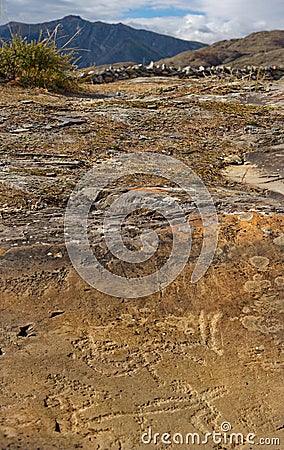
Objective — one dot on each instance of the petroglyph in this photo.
(199, 405)
(108, 357)
(112, 358)
(209, 331)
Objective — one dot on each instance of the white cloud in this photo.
(33, 11)
(244, 9)
(218, 19)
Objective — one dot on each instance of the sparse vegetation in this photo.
(264, 48)
(37, 63)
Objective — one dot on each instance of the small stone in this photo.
(251, 323)
(279, 240)
(279, 281)
(260, 262)
(20, 130)
(58, 255)
(71, 121)
(257, 286)
(245, 216)
(233, 159)
(51, 174)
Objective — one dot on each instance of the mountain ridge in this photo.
(103, 43)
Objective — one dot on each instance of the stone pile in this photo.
(112, 74)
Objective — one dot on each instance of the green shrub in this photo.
(37, 63)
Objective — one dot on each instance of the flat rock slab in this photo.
(251, 175)
(81, 369)
(270, 159)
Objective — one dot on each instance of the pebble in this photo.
(20, 130)
(260, 262)
(245, 217)
(233, 159)
(58, 255)
(279, 281)
(257, 286)
(69, 122)
(279, 240)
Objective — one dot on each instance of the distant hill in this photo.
(102, 43)
(262, 48)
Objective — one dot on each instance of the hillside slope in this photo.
(261, 48)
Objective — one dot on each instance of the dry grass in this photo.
(37, 64)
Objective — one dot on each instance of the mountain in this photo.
(261, 48)
(103, 43)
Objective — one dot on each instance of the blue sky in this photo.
(200, 20)
(160, 12)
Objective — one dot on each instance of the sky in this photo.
(198, 20)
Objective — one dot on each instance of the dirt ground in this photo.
(81, 369)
